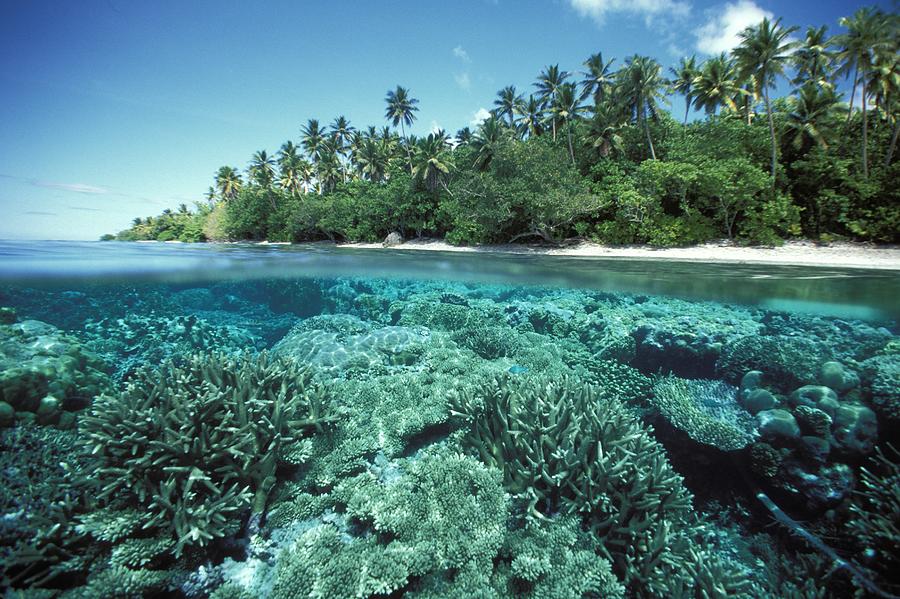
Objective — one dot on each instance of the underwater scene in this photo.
(286, 423)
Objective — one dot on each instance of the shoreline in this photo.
(792, 253)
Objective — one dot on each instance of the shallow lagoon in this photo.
(312, 421)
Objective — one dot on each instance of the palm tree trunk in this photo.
(687, 108)
(771, 131)
(571, 151)
(408, 152)
(865, 134)
(893, 146)
(647, 131)
(553, 122)
(853, 93)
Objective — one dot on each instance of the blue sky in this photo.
(113, 109)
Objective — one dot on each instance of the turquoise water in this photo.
(307, 421)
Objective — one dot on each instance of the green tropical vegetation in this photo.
(597, 156)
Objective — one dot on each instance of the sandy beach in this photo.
(801, 253)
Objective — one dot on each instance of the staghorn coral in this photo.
(196, 445)
(42, 471)
(562, 446)
(489, 342)
(875, 520)
(706, 410)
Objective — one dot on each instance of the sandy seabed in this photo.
(801, 253)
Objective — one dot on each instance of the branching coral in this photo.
(876, 514)
(563, 446)
(195, 445)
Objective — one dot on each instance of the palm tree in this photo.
(374, 159)
(401, 108)
(716, 85)
(491, 134)
(342, 132)
(603, 132)
(531, 117)
(565, 108)
(598, 79)
(869, 31)
(812, 106)
(684, 76)
(463, 136)
(884, 80)
(262, 169)
(312, 137)
(329, 171)
(290, 177)
(431, 161)
(547, 83)
(762, 54)
(813, 60)
(641, 87)
(228, 182)
(507, 103)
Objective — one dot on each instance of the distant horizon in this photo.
(118, 111)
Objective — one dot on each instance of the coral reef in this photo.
(563, 447)
(195, 446)
(428, 439)
(45, 374)
(706, 410)
(347, 343)
(875, 520)
(786, 362)
(135, 340)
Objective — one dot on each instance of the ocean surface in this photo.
(238, 421)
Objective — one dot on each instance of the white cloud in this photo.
(649, 9)
(76, 187)
(720, 32)
(461, 54)
(463, 81)
(478, 117)
(434, 127)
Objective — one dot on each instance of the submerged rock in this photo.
(757, 400)
(777, 424)
(855, 429)
(834, 375)
(7, 415)
(815, 396)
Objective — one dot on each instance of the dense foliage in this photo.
(599, 158)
